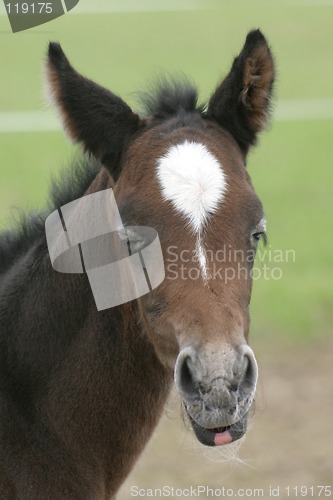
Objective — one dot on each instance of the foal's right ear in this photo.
(91, 115)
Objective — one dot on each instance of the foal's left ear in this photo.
(91, 115)
(241, 103)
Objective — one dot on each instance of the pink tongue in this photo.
(222, 438)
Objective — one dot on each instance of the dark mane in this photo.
(27, 228)
(169, 97)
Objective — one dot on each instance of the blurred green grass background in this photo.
(291, 169)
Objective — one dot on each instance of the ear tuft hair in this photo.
(241, 103)
(258, 80)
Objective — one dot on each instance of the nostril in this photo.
(250, 371)
(249, 376)
(186, 378)
(187, 371)
(247, 370)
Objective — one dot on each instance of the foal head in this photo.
(182, 171)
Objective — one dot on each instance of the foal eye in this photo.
(260, 232)
(259, 236)
(134, 240)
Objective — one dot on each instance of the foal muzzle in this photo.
(217, 391)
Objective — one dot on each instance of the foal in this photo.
(82, 390)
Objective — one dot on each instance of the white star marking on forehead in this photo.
(195, 183)
(193, 180)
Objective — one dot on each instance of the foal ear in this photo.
(241, 103)
(91, 115)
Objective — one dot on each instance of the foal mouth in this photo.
(219, 436)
